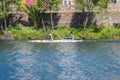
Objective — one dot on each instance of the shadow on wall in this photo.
(1, 24)
(72, 20)
(25, 20)
(59, 19)
(79, 18)
(116, 25)
(47, 20)
(20, 19)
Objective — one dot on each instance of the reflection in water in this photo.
(65, 61)
(23, 64)
(68, 63)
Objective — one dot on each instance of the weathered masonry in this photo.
(69, 16)
(114, 6)
(112, 16)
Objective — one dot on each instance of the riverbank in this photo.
(91, 32)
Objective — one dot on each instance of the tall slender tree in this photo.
(48, 5)
(43, 6)
(5, 11)
(53, 6)
(89, 6)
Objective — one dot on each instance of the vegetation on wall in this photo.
(35, 10)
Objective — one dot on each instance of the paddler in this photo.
(51, 37)
(71, 37)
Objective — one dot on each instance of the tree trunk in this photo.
(88, 13)
(51, 18)
(1, 25)
(5, 21)
(43, 23)
(94, 19)
(35, 19)
(5, 24)
(35, 24)
(86, 21)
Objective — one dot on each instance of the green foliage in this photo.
(26, 33)
(46, 4)
(91, 32)
(34, 9)
(110, 33)
(34, 14)
(19, 5)
(5, 10)
(55, 3)
(82, 4)
(62, 31)
(4, 7)
(101, 3)
(16, 27)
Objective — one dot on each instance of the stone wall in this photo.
(67, 15)
(69, 19)
(20, 18)
(113, 7)
(110, 18)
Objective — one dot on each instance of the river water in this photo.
(22, 60)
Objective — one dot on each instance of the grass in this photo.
(91, 32)
(25, 33)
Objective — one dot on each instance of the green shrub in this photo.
(109, 32)
(61, 31)
(91, 32)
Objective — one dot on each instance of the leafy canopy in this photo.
(81, 4)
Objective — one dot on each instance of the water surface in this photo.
(21, 60)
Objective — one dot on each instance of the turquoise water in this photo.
(22, 60)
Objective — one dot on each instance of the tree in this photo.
(34, 7)
(48, 5)
(34, 14)
(53, 6)
(30, 7)
(89, 6)
(43, 6)
(5, 11)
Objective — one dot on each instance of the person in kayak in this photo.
(71, 37)
(51, 37)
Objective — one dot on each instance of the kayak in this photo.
(54, 41)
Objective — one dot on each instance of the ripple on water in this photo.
(65, 61)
